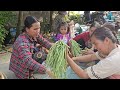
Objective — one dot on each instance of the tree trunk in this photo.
(68, 13)
(51, 20)
(20, 18)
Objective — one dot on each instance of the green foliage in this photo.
(3, 32)
(8, 17)
(45, 26)
(5, 17)
(75, 17)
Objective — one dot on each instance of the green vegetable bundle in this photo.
(56, 59)
(75, 48)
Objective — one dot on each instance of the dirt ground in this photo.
(4, 67)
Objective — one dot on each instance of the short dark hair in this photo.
(29, 20)
(103, 32)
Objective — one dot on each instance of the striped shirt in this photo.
(21, 62)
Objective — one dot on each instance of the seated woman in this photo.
(108, 66)
(22, 62)
(84, 38)
(89, 51)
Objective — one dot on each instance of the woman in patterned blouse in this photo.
(22, 62)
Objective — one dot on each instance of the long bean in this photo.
(56, 59)
(75, 48)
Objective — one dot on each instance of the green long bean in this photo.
(56, 59)
(75, 48)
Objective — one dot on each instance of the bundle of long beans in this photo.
(56, 59)
(75, 48)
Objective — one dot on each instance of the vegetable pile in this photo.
(56, 59)
(75, 48)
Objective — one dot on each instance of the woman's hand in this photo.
(69, 43)
(46, 50)
(51, 75)
(87, 51)
(52, 44)
(68, 54)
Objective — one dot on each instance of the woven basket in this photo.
(2, 76)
